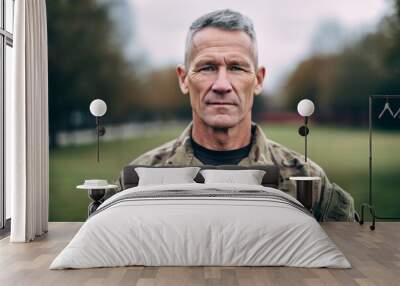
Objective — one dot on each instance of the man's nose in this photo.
(222, 84)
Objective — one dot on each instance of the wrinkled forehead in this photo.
(213, 40)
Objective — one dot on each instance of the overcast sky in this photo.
(287, 30)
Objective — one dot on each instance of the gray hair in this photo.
(222, 19)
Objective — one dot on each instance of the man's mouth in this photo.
(220, 103)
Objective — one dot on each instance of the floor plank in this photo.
(374, 255)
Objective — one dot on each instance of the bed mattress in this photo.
(201, 225)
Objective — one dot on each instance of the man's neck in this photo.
(222, 139)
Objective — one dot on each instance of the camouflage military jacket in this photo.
(331, 202)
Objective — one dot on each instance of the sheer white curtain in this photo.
(27, 120)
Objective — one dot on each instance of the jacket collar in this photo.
(182, 150)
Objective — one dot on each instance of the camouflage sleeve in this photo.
(111, 192)
(144, 159)
(335, 204)
(156, 156)
(147, 158)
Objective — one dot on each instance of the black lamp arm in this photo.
(303, 131)
(305, 137)
(100, 131)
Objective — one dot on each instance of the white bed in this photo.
(224, 225)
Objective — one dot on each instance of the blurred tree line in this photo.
(341, 83)
(87, 61)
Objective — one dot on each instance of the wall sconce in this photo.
(98, 108)
(305, 108)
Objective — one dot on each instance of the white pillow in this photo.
(162, 176)
(249, 177)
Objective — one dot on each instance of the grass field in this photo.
(342, 152)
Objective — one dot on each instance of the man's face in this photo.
(221, 78)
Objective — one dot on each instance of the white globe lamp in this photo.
(305, 108)
(98, 108)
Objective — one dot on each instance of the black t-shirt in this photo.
(213, 157)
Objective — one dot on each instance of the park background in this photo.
(125, 53)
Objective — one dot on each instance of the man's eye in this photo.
(236, 68)
(207, 68)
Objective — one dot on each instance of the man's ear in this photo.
(260, 75)
(182, 77)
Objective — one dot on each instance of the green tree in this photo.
(85, 62)
(341, 83)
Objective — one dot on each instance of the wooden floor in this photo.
(374, 255)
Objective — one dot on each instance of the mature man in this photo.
(221, 76)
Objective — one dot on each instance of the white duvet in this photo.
(182, 231)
